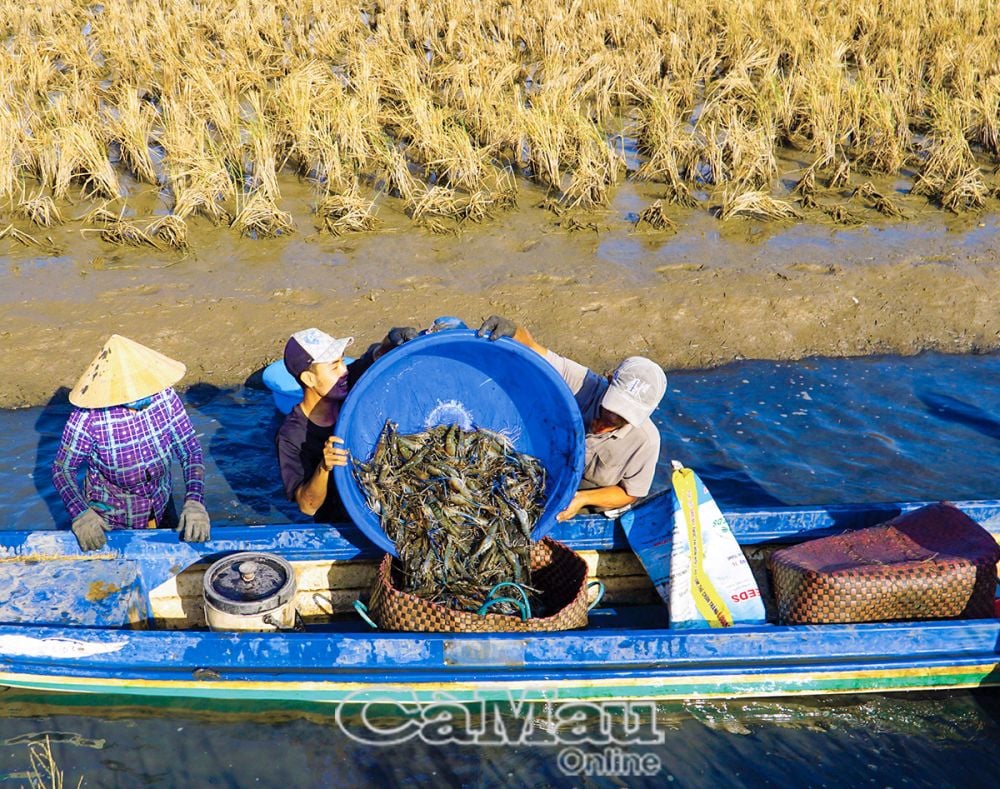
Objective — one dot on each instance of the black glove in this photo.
(194, 523)
(495, 327)
(89, 528)
(398, 335)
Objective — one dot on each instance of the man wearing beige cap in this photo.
(622, 443)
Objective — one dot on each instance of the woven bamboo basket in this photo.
(932, 563)
(556, 571)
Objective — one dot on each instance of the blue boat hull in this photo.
(626, 653)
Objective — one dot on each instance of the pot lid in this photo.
(249, 583)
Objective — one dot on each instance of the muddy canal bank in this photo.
(709, 294)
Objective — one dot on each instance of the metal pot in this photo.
(250, 591)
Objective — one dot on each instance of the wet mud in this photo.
(713, 292)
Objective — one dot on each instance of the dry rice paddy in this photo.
(441, 107)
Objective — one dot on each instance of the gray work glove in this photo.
(398, 335)
(194, 523)
(89, 528)
(495, 327)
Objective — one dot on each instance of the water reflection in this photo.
(48, 427)
(237, 429)
(759, 433)
(935, 739)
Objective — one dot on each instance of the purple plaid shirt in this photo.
(128, 457)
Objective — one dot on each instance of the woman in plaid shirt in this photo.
(128, 426)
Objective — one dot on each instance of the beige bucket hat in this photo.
(122, 372)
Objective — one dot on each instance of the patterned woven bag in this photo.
(557, 572)
(932, 563)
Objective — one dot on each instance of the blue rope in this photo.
(600, 593)
(362, 609)
(492, 602)
(519, 588)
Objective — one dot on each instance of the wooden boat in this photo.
(130, 621)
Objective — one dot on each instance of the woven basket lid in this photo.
(122, 372)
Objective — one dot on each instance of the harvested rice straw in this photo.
(707, 159)
(457, 161)
(264, 147)
(346, 212)
(197, 176)
(477, 208)
(984, 114)
(24, 238)
(101, 215)
(806, 185)
(749, 152)
(260, 217)
(840, 215)
(574, 225)
(212, 101)
(440, 201)
(966, 192)
(297, 98)
(662, 136)
(130, 125)
(45, 772)
(171, 230)
(656, 217)
(11, 146)
(501, 86)
(881, 133)
(841, 176)
(396, 171)
(878, 201)
(587, 187)
(41, 210)
(504, 191)
(546, 137)
(201, 198)
(438, 226)
(47, 245)
(84, 157)
(950, 175)
(487, 95)
(125, 233)
(596, 167)
(550, 204)
(757, 205)
(41, 153)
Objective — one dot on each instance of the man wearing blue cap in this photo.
(622, 443)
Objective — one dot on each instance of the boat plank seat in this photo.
(327, 588)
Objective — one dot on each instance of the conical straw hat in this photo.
(122, 372)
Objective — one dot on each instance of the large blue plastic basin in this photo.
(455, 377)
(284, 388)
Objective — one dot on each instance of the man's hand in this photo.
(397, 336)
(334, 455)
(573, 509)
(89, 528)
(194, 523)
(495, 327)
(610, 497)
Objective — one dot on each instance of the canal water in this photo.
(759, 433)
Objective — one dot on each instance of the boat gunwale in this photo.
(288, 664)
